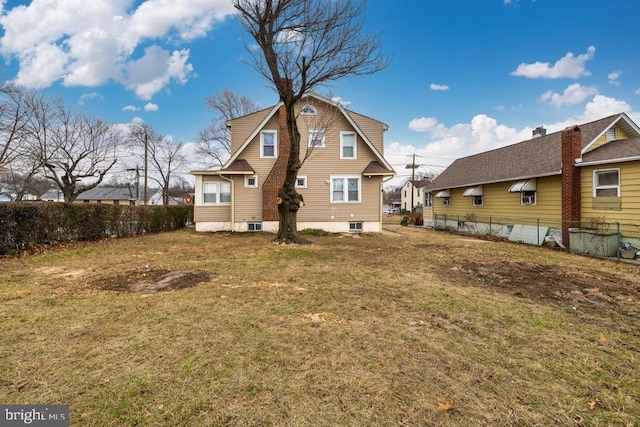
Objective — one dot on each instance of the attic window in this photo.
(308, 110)
(611, 134)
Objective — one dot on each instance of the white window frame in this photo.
(355, 226)
(275, 143)
(311, 135)
(247, 184)
(308, 110)
(597, 187)
(304, 181)
(254, 226)
(342, 146)
(428, 200)
(345, 188)
(217, 191)
(524, 195)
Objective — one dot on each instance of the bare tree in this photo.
(303, 44)
(26, 119)
(164, 156)
(214, 141)
(77, 151)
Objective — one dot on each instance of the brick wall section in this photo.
(571, 200)
(274, 180)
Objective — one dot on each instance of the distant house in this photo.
(52, 195)
(155, 198)
(108, 195)
(413, 194)
(586, 171)
(6, 197)
(341, 182)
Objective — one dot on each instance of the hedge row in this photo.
(27, 226)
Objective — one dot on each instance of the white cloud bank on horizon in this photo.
(93, 42)
(569, 66)
(483, 133)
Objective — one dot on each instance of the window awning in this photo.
(473, 191)
(524, 185)
(443, 193)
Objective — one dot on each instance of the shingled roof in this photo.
(535, 157)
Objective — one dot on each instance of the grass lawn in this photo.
(413, 329)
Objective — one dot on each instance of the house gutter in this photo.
(233, 200)
(608, 162)
(521, 178)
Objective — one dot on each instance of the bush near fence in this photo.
(591, 236)
(27, 226)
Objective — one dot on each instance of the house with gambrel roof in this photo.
(340, 179)
(586, 171)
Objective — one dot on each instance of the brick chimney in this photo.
(275, 179)
(571, 147)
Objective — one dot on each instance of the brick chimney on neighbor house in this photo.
(275, 179)
(571, 146)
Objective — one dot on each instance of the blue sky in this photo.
(465, 76)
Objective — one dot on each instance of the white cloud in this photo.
(569, 66)
(444, 144)
(130, 108)
(93, 42)
(637, 92)
(341, 101)
(150, 106)
(572, 95)
(613, 77)
(438, 87)
(87, 97)
(153, 71)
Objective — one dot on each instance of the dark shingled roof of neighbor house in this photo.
(535, 157)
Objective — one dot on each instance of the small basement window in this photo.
(255, 226)
(478, 200)
(355, 226)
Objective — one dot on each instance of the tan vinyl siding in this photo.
(629, 194)
(370, 127)
(498, 202)
(209, 213)
(248, 201)
(603, 139)
(242, 127)
(325, 162)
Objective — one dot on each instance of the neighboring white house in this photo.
(413, 194)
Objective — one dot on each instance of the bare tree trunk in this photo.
(289, 200)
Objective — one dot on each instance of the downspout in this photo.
(233, 201)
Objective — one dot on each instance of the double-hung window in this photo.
(606, 183)
(345, 189)
(216, 193)
(347, 145)
(268, 143)
(316, 138)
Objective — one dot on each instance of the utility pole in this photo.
(146, 165)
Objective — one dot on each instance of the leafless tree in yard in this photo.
(303, 44)
(76, 151)
(164, 156)
(214, 141)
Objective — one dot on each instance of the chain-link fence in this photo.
(592, 236)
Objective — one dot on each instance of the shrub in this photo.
(26, 226)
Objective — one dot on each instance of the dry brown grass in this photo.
(417, 329)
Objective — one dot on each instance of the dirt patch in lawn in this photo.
(550, 282)
(149, 280)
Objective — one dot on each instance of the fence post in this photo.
(490, 227)
(538, 222)
(619, 240)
